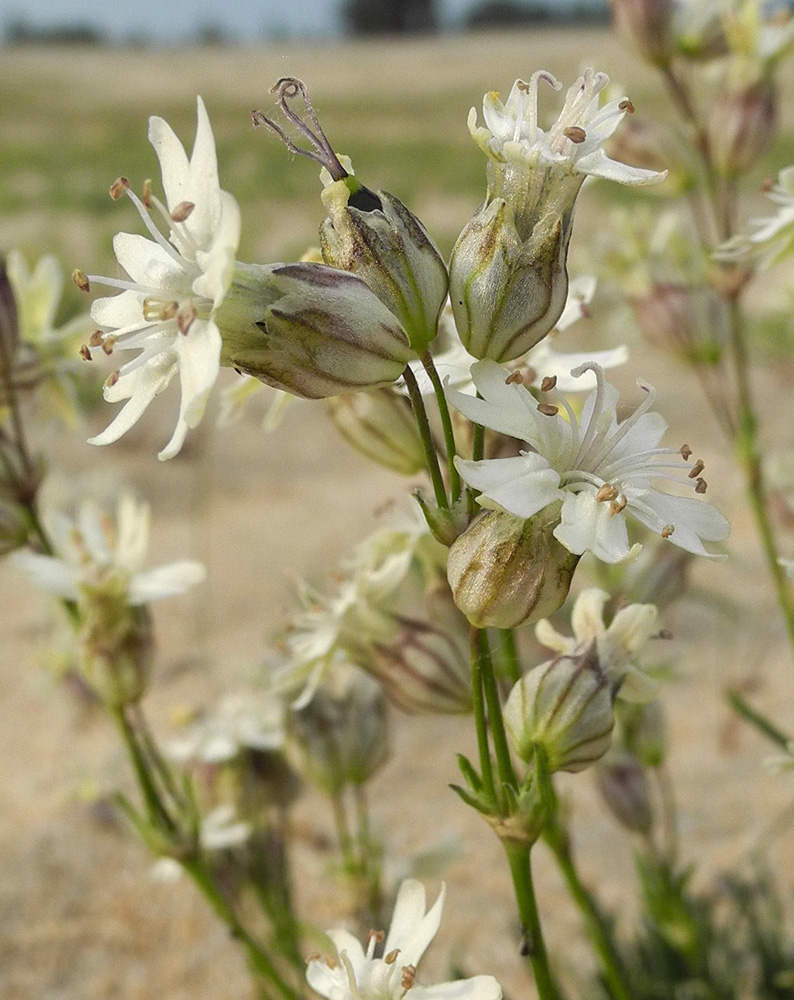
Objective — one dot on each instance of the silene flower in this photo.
(601, 469)
(773, 237)
(167, 308)
(356, 974)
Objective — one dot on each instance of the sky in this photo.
(175, 20)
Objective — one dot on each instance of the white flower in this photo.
(599, 468)
(773, 239)
(616, 646)
(93, 553)
(219, 829)
(359, 975)
(167, 308)
(453, 362)
(574, 143)
(243, 721)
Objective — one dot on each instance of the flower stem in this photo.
(455, 485)
(157, 812)
(507, 637)
(480, 720)
(431, 456)
(497, 726)
(519, 859)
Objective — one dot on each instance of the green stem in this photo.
(497, 726)
(423, 425)
(519, 859)
(370, 862)
(597, 927)
(478, 443)
(158, 814)
(455, 485)
(761, 723)
(507, 638)
(480, 721)
(258, 960)
(343, 832)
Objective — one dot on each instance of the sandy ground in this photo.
(79, 914)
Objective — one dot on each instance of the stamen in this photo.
(767, 185)
(408, 976)
(112, 379)
(95, 339)
(532, 116)
(108, 344)
(667, 530)
(701, 486)
(314, 957)
(697, 468)
(391, 958)
(118, 187)
(548, 383)
(575, 133)
(686, 452)
(514, 378)
(185, 318)
(548, 409)
(607, 492)
(351, 978)
(182, 211)
(523, 89)
(617, 506)
(81, 280)
(85, 352)
(626, 106)
(157, 309)
(146, 193)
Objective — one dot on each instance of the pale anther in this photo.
(408, 977)
(548, 409)
(185, 318)
(391, 958)
(575, 133)
(112, 379)
(701, 486)
(686, 452)
(108, 344)
(182, 211)
(697, 468)
(548, 383)
(607, 492)
(146, 193)
(95, 339)
(626, 106)
(617, 506)
(85, 352)
(80, 279)
(514, 377)
(118, 187)
(667, 530)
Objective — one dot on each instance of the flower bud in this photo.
(115, 645)
(425, 669)
(565, 706)
(647, 26)
(339, 738)
(505, 571)
(388, 248)
(625, 789)
(310, 330)
(379, 424)
(507, 292)
(742, 125)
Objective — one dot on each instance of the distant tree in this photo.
(389, 17)
(211, 34)
(501, 13)
(20, 32)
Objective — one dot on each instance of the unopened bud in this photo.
(565, 706)
(742, 125)
(507, 290)
(505, 571)
(389, 248)
(340, 737)
(625, 789)
(310, 330)
(115, 646)
(647, 26)
(379, 424)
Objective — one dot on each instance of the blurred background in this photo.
(393, 83)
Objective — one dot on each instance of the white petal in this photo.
(48, 573)
(345, 942)
(548, 636)
(143, 385)
(202, 186)
(598, 164)
(693, 520)
(587, 617)
(509, 409)
(522, 485)
(173, 160)
(147, 263)
(476, 988)
(117, 311)
(165, 581)
(411, 928)
(217, 263)
(586, 525)
(329, 983)
(132, 530)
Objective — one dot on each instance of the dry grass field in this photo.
(80, 916)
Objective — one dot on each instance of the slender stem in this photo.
(519, 859)
(431, 456)
(480, 721)
(158, 814)
(507, 637)
(597, 927)
(152, 751)
(342, 831)
(669, 813)
(455, 485)
(478, 443)
(497, 726)
(761, 723)
(258, 960)
(370, 862)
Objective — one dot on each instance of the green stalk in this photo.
(455, 485)
(158, 814)
(519, 859)
(423, 426)
(497, 726)
(507, 638)
(480, 721)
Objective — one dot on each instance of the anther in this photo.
(514, 378)
(617, 506)
(767, 185)
(548, 383)
(314, 957)
(667, 530)
(391, 958)
(626, 106)
(607, 492)
(85, 352)
(118, 187)
(112, 379)
(685, 452)
(575, 133)
(522, 86)
(182, 211)
(408, 977)
(697, 468)
(95, 339)
(548, 409)
(108, 344)
(146, 193)
(330, 961)
(701, 486)
(185, 318)
(585, 310)
(378, 936)
(81, 280)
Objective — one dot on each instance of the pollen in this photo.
(617, 506)
(548, 383)
(607, 492)
(548, 409)
(667, 530)
(575, 133)
(112, 379)
(95, 340)
(118, 187)
(696, 469)
(378, 936)
(108, 344)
